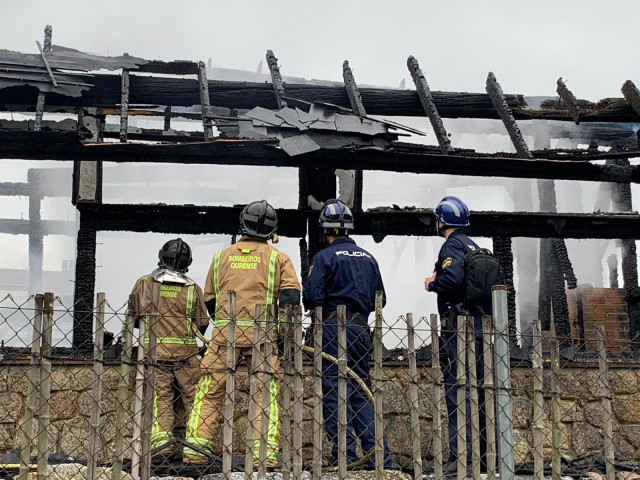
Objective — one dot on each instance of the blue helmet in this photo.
(335, 214)
(453, 212)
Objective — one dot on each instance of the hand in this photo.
(428, 280)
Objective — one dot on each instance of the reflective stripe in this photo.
(155, 428)
(189, 311)
(241, 322)
(272, 425)
(271, 277)
(215, 278)
(195, 417)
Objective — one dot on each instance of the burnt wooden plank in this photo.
(377, 101)
(193, 219)
(66, 146)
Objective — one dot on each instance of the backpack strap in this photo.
(467, 250)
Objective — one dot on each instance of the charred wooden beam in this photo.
(276, 79)
(190, 219)
(85, 281)
(631, 95)
(177, 67)
(184, 219)
(567, 96)
(377, 101)
(351, 87)
(429, 106)
(502, 107)
(41, 95)
(355, 99)
(203, 88)
(65, 146)
(124, 106)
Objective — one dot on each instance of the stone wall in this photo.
(581, 413)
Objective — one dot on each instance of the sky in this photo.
(528, 45)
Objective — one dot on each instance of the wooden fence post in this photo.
(26, 433)
(437, 397)
(413, 400)
(256, 362)
(318, 419)
(96, 388)
(227, 430)
(123, 388)
(45, 387)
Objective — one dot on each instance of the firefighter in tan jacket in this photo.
(260, 275)
(181, 311)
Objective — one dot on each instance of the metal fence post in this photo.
(96, 389)
(503, 382)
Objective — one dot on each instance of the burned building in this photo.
(330, 134)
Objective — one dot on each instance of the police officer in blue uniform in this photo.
(447, 281)
(345, 274)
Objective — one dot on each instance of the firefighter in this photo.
(259, 274)
(448, 282)
(181, 311)
(345, 274)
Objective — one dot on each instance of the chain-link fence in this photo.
(318, 393)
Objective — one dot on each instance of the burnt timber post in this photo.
(622, 202)
(87, 189)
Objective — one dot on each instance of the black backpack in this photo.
(482, 271)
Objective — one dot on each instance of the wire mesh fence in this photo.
(322, 392)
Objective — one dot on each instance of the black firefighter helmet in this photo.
(175, 255)
(259, 219)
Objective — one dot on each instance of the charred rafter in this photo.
(377, 101)
(59, 146)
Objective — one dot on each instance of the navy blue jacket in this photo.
(449, 283)
(343, 274)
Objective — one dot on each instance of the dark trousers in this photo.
(448, 362)
(360, 414)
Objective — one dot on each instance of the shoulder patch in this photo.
(446, 262)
